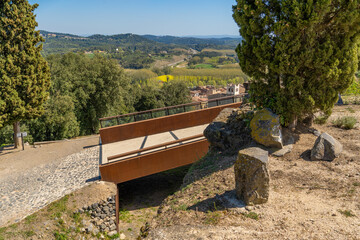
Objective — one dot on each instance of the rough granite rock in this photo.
(266, 129)
(326, 148)
(229, 132)
(252, 176)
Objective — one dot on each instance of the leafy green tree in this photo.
(175, 93)
(24, 74)
(98, 87)
(300, 54)
(148, 97)
(58, 122)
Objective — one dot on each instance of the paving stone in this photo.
(24, 191)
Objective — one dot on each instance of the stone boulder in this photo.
(326, 148)
(252, 176)
(229, 131)
(266, 129)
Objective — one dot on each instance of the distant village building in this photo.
(195, 93)
(234, 89)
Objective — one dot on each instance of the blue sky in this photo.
(158, 17)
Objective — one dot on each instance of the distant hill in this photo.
(213, 36)
(197, 42)
(63, 42)
(47, 34)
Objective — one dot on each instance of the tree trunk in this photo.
(17, 140)
(293, 124)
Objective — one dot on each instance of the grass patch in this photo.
(252, 215)
(60, 236)
(30, 219)
(212, 218)
(346, 213)
(2, 231)
(115, 236)
(346, 122)
(13, 226)
(125, 216)
(28, 233)
(208, 161)
(350, 109)
(356, 184)
(183, 207)
(77, 218)
(58, 207)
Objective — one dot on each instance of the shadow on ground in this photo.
(227, 200)
(150, 191)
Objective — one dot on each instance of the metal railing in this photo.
(166, 111)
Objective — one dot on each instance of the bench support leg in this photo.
(117, 208)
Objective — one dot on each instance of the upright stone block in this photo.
(252, 176)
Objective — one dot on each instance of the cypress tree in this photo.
(24, 74)
(300, 54)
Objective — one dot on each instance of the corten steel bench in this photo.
(119, 166)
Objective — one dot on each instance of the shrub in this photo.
(346, 122)
(321, 119)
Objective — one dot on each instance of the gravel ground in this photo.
(24, 193)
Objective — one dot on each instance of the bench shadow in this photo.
(90, 146)
(150, 191)
(93, 179)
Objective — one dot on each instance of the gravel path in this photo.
(22, 194)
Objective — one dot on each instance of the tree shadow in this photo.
(224, 201)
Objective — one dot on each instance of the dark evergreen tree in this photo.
(24, 74)
(300, 54)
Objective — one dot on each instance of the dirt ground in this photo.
(14, 161)
(308, 199)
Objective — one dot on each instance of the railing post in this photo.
(117, 120)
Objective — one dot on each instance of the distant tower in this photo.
(233, 89)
